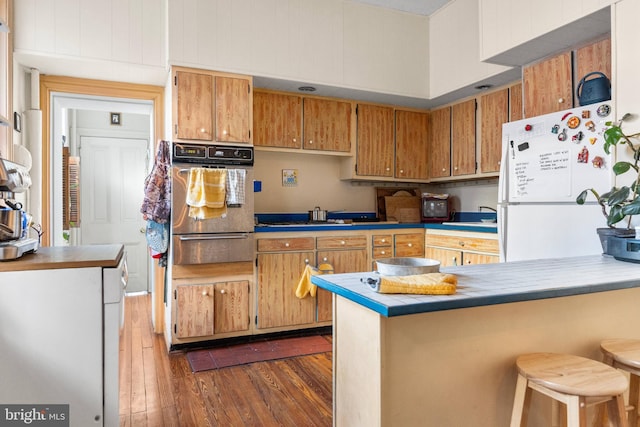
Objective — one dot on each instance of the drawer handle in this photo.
(384, 240)
(342, 242)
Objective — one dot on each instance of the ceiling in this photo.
(419, 7)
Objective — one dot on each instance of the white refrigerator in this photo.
(546, 162)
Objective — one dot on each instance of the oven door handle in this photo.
(218, 236)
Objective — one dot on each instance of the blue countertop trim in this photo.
(491, 284)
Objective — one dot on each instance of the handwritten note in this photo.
(542, 175)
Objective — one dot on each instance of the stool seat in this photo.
(570, 374)
(572, 380)
(624, 354)
(625, 351)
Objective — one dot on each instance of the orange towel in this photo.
(305, 287)
(206, 193)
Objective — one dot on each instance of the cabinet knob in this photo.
(455, 168)
(468, 261)
(203, 130)
(461, 243)
(205, 293)
(401, 170)
(410, 244)
(387, 169)
(383, 252)
(384, 240)
(310, 142)
(286, 245)
(342, 242)
(295, 139)
(444, 170)
(560, 100)
(499, 162)
(222, 291)
(224, 132)
(324, 259)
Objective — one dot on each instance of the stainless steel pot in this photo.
(407, 266)
(10, 224)
(318, 215)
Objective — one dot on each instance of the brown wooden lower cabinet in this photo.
(458, 247)
(212, 308)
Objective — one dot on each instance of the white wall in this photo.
(454, 49)
(318, 185)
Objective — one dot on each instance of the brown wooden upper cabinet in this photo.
(277, 120)
(440, 143)
(593, 57)
(327, 124)
(209, 107)
(548, 85)
(463, 138)
(375, 150)
(515, 102)
(494, 111)
(412, 138)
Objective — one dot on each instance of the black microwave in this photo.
(434, 209)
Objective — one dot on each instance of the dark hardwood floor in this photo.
(158, 389)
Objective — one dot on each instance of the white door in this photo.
(112, 173)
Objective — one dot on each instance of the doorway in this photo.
(79, 92)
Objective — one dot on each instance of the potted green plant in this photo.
(619, 202)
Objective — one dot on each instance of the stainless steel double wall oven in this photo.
(227, 239)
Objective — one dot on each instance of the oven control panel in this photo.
(212, 154)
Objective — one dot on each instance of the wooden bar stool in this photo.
(573, 380)
(624, 354)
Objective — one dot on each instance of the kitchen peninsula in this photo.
(450, 360)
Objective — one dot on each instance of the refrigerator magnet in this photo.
(562, 135)
(523, 146)
(555, 129)
(573, 122)
(590, 125)
(583, 155)
(586, 114)
(593, 140)
(577, 137)
(598, 162)
(603, 110)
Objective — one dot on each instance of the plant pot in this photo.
(605, 232)
(624, 248)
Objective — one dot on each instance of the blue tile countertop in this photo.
(366, 221)
(489, 284)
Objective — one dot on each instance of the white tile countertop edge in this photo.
(488, 284)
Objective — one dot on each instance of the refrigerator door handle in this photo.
(502, 177)
(502, 231)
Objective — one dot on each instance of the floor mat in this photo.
(259, 351)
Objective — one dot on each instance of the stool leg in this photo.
(576, 412)
(617, 412)
(634, 399)
(521, 401)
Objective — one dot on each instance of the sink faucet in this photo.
(486, 207)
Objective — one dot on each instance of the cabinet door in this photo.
(440, 143)
(474, 258)
(593, 57)
(231, 306)
(463, 138)
(194, 310)
(547, 86)
(347, 261)
(277, 120)
(412, 137)
(194, 113)
(494, 112)
(233, 109)
(447, 257)
(374, 152)
(278, 277)
(409, 245)
(327, 125)
(515, 102)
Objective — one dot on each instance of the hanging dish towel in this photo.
(235, 186)
(156, 205)
(206, 193)
(305, 287)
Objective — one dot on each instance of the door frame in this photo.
(77, 86)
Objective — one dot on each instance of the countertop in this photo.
(58, 257)
(489, 284)
(465, 226)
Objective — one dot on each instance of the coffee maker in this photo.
(15, 223)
